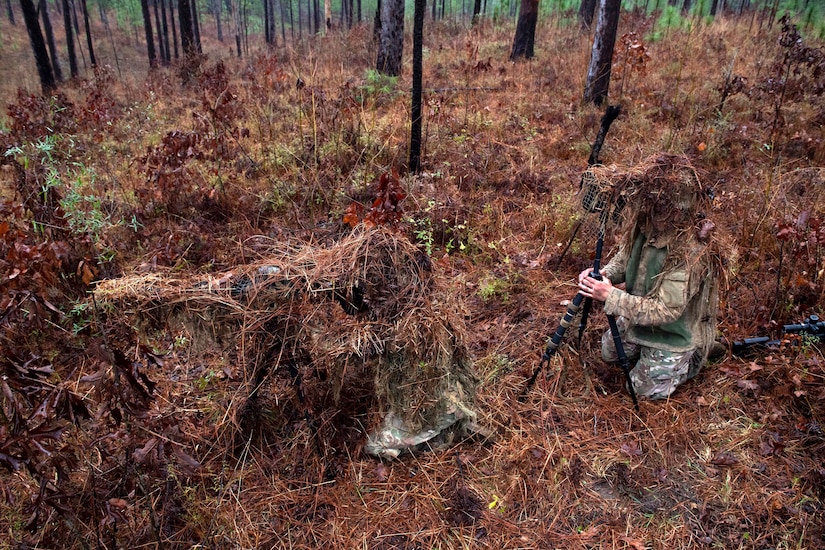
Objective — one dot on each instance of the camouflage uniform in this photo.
(667, 315)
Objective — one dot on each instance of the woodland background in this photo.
(118, 435)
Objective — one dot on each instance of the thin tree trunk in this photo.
(105, 19)
(165, 26)
(147, 27)
(159, 32)
(85, 8)
(47, 27)
(67, 24)
(417, 85)
(10, 12)
(196, 25)
(283, 20)
(300, 19)
(216, 7)
(174, 27)
(41, 56)
(267, 28)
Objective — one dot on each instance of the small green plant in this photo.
(494, 288)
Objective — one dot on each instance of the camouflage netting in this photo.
(317, 320)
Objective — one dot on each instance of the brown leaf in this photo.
(747, 385)
(724, 458)
(631, 448)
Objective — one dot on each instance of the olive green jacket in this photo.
(669, 304)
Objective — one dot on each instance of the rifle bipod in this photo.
(596, 199)
(555, 341)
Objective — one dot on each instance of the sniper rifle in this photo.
(811, 327)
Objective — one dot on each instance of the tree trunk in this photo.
(86, 25)
(187, 30)
(147, 27)
(391, 42)
(267, 26)
(159, 32)
(524, 41)
(47, 27)
(586, 10)
(10, 12)
(67, 24)
(328, 14)
(476, 11)
(196, 25)
(41, 56)
(174, 27)
(417, 85)
(713, 7)
(598, 73)
(165, 27)
(216, 7)
(686, 7)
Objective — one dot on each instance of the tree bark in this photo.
(147, 27)
(165, 28)
(196, 25)
(174, 27)
(476, 11)
(158, 30)
(391, 42)
(86, 25)
(216, 7)
(10, 12)
(601, 58)
(41, 56)
(417, 85)
(524, 41)
(67, 24)
(586, 10)
(47, 27)
(187, 30)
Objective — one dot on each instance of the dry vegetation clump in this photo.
(204, 398)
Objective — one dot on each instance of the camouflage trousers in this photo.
(657, 373)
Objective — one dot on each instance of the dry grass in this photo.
(733, 460)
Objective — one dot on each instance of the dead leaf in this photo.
(631, 448)
(724, 458)
(747, 385)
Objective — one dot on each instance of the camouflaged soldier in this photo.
(667, 312)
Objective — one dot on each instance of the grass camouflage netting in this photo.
(371, 306)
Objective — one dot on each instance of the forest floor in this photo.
(127, 426)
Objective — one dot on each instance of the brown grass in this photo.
(733, 460)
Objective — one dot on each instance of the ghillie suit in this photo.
(396, 327)
(671, 265)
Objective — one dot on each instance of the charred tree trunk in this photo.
(165, 27)
(41, 55)
(187, 30)
(476, 11)
(147, 27)
(601, 59)
(391, 41)
(67, 24)
(86, 25)
(417, 85)
(158, 29)
(47, 27)
(174, 27)
(525, 39)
